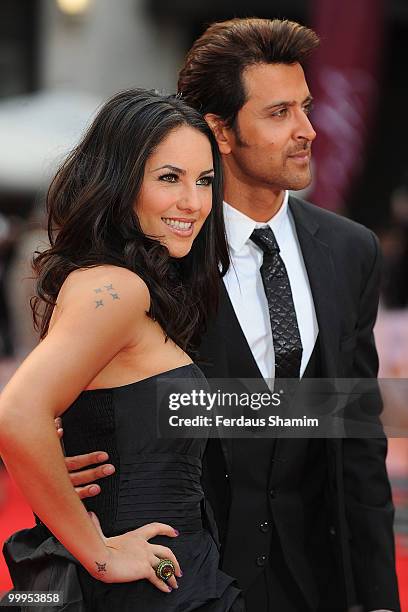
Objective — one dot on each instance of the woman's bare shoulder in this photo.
(103, 285)
(116, 294)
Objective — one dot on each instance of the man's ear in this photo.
(221, 132)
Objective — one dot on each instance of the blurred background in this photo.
(59, 59)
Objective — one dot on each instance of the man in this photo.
(304, 524)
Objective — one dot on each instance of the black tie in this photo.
(285, 332)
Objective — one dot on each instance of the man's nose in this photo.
(305, 130)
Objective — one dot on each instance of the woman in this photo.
(137, 241)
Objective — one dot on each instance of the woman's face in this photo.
(176, 194)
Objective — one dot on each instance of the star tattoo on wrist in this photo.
(100, 567)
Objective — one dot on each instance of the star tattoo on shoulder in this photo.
(100, 567)
(98, 290)
(109, 287)
(98, 303)
(115, 296)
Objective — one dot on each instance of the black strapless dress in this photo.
(155, 480)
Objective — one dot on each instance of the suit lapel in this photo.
(321, 274)
(240, 360)
(320, 269)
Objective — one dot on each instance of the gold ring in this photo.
(165, 569)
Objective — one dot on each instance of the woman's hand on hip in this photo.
(131, 556)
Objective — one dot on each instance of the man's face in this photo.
(270, 144)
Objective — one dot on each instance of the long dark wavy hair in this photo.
(91, 217)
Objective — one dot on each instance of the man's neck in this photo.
(257, 203)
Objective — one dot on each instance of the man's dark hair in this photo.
(211, 78)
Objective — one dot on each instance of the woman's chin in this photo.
(179, 251)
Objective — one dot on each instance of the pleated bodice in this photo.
(155, 479)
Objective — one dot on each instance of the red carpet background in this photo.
(15, 514)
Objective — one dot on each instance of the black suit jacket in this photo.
(343, 264)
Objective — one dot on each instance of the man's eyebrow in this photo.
(307, 100)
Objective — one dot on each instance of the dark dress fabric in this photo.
(156, 479)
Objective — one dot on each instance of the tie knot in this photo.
(265, 239)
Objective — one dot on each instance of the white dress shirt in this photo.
(243, 282)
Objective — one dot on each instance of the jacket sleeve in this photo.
(368, 502)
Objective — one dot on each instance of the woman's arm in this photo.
(90, 329)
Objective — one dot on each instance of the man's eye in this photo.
(169, 178)
(205, 180)
(308, 109)
(280, 113)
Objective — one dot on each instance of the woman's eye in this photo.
(169, 178)
(205, 180)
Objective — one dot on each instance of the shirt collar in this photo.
(239, 227)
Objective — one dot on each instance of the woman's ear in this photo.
(221, 132)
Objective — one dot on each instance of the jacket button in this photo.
(332, 530)
(261, 560)
(264, 527)
(273, 493)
